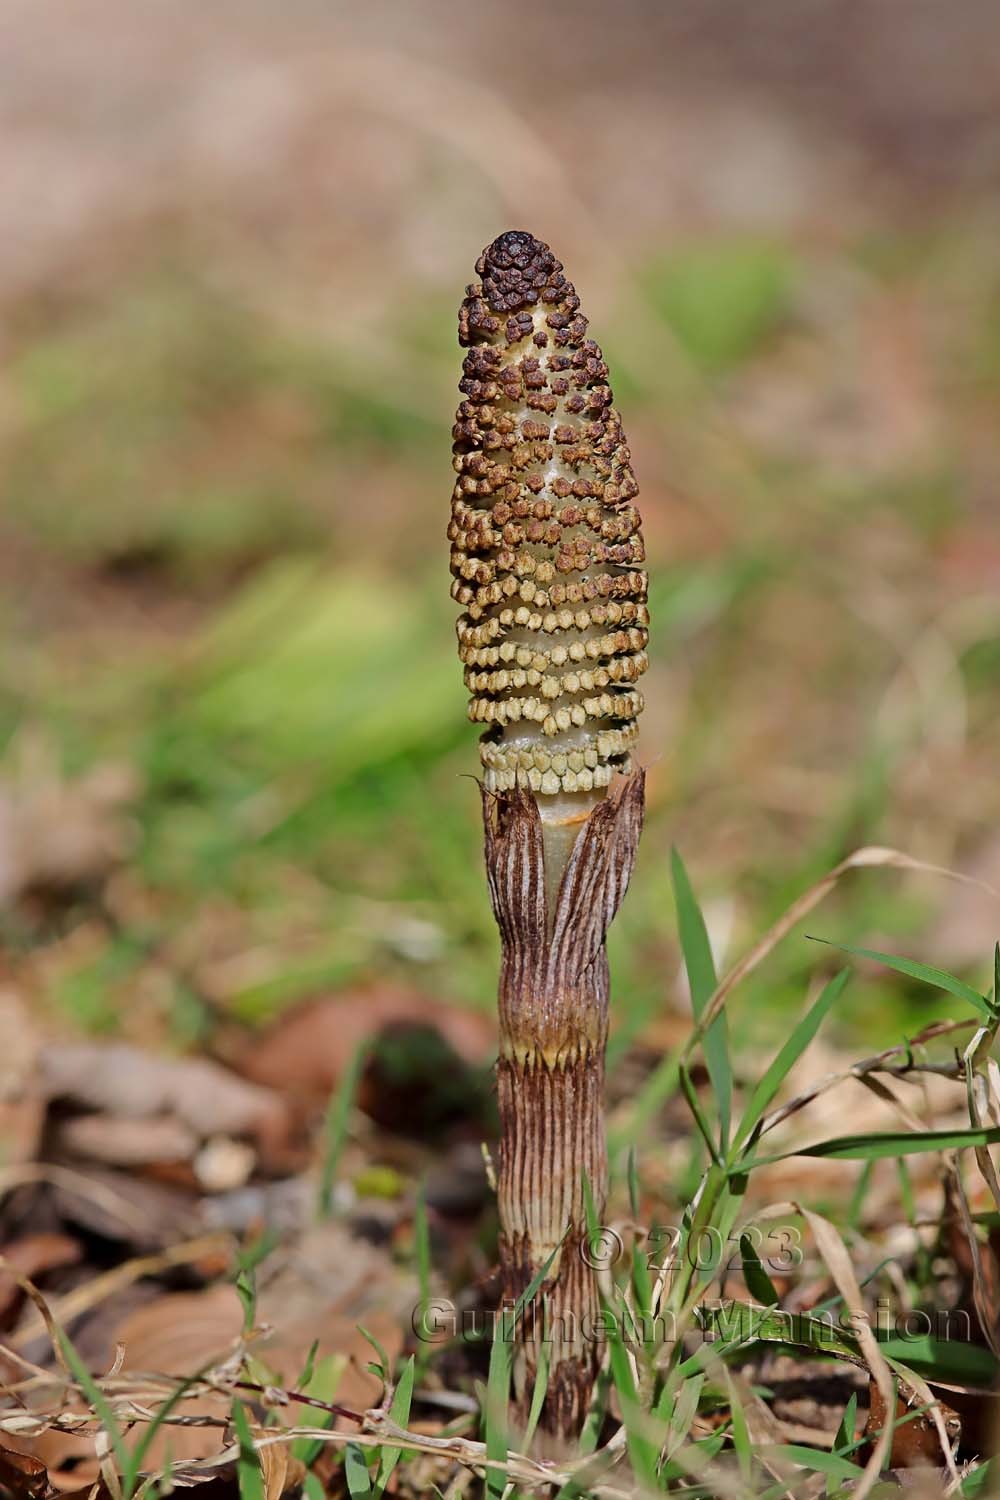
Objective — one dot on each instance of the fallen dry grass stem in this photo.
(878, 1064)
(78, 1183)
(139, 1399)
(83, 1298)
(867, 858)
(838, 1261)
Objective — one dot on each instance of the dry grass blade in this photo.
(980, 1290)
(838, 1261)
(980, 1085)
(87, 1296)
(881, 1063)
(47, 1320)
(113, 1204)
(924, 1393)
(867, 858)
(883, 1092)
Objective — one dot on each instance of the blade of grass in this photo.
(813, 1459)
(422, 1245)
(538, 1394)
(875, 1147)
(335, 1131)
(642, 1451)
(685, 1409)
(759, 1283)
(498, 1381)
(355, 1471)
(322, 1383)
(655, 1091)
(856, 1206)
(497, 1394)
(702, 981)
(789, 1055)
(132, 1470)
(700, 1119)
(844, 1437)
(595, 1413)
(938, 978)
(741, 1434)
(981, 1481)
(249, 1473)
(97, 1400)
(399, 1412)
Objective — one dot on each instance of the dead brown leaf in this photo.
(282, 1471)
(198, 1094)
(58, 834)
(307, 1050)
(22, 1477)
(916, 1443)
(33, 1255)
(322, 1288)
(118, 1141)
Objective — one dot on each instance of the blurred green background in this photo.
(234, 752)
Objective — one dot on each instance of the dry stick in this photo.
(545, 555)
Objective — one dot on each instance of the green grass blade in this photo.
(981, 1481)
(789, 1054)
(422, 1245)
(632, 1173)
(642, 1282)
(538, 1394)
(759, 1283)
(700, 967)
(939, 979)
(335, 1132)
(399, 1412)
(498, 1380)
(355, 1471)
(98, 1401)
(684, 1410)
(497, 1393)
(596, 1413)
(845, 1432)
(383, 1368)
(811, 1459)
(655, 1091)
(875, 1147)
(859, 1196)
(741, 1434)
(844, 1438)
(312, 1488)
(249, 1473)
(737, 1323)
(130, 1476)
(322, 1384)
(642, 1451)
(700, 1118)
(945, 1360)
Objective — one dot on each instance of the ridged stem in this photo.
(550, 1076)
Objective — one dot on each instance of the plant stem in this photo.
(553, 999)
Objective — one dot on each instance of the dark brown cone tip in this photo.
(517, 272)
(516, 269)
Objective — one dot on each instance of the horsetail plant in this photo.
(546, 553)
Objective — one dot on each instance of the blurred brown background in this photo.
(235, 239)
